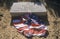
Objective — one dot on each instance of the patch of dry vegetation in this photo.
(9, 32)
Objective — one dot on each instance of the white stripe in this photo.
(26, 29)
(20, 25)
(17, 27)
(39, 34)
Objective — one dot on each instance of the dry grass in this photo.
(9, 32)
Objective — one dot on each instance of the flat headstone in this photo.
(23, 7)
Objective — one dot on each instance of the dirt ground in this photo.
(9, 32)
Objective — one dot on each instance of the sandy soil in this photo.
(9, 32)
